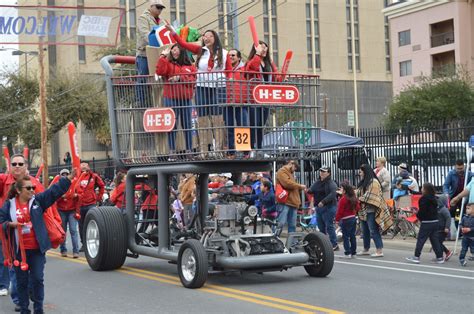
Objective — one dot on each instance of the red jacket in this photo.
(151, 201)
(67, 204)
(253, 65)
(237, 86)
(182, 89)
(117, 195)
(7, 180)
(85, 189)
(344, 209)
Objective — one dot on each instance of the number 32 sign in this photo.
(242, 139)
(163, 35)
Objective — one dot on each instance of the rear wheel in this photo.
(321, 254)
(105, 238)
(192, 264)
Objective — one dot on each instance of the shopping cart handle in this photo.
(106, 62)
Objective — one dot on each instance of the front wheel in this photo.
(321, 254)
(105, 238)
(192, 264)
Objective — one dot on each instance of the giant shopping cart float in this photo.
(226, 234)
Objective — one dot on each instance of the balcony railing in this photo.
(442, 39)
(443, 70)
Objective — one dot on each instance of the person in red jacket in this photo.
(19, 169)
(149, 207)
(237, 94)
(87, 196)
(180, 78)
(68, 207)
(347, 208)
(264, 70)
(117, 197)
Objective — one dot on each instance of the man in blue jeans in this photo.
(287, 211)
(325, 197)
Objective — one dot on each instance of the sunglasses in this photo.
(64, 174)
(159, 7)
(29, 187)
(18, 164)
(232, 54)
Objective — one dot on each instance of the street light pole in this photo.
(354, 69)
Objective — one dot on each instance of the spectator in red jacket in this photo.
(263, 69)
(149, 207)
(347, 208)
(87, 195)
(68, 207)
(117, 197)
(180, 78)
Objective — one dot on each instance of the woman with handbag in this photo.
(374, 214)
(22, 217)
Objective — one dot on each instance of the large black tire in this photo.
(192, 264)
(321, 254)
(105, 236)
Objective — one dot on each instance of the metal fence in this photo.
(429, 152)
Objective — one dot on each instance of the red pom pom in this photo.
(77, 216)
(24, 267)
(16, 263)
(5, 263)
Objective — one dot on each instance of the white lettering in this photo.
(168, 119)
(277, 94)
(149, 120)
(290, 94)
(263, 93)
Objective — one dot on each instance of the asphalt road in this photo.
(362, 285)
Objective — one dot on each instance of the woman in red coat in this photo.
(180, 79)
(263, 70)
(117, 197)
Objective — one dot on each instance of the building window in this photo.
(310, 38)
(388, 62)
(404, 38)
(132, 15)
(356, 34)
(270, 27)
(405, 68)
(81, 48)
(178, 11)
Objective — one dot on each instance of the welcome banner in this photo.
(60, 25)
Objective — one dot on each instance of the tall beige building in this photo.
(318, 32)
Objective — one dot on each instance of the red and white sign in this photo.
(276, 94)
(163, 35)
(159, 120)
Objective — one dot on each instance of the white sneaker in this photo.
(3, 292)
(345, 256)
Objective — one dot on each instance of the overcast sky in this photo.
(6, 59)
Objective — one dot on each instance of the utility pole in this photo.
(42, 100)
(325, 112)
(354, 69)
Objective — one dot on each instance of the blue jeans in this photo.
(67, 218)
(142, 90)
(4, 276)
(13, 286)
(182, 109)
(207, 98)
(325, 216)
(35, 274)
(370, 229)
(286, 214)
(84, 210)
(348, 227)
(258, 119)
(234, 116)
(465, 244)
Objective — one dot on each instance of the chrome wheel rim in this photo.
(92, 239)
(188, 264)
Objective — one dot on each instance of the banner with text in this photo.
(60, 25)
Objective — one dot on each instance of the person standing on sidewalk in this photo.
(467, 228)
(287, 212)
(373, 210)
(454, 185)
(428, 216)
(67, 208)
(88, 197)
(444, 222)
(347, 208)
(383, 175)
(325, 198)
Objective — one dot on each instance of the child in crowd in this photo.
(444, 222)
(347, 208)
(428, 217)
(178, 212)
(467, 228)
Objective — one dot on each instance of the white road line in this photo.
(416, 265)
(407, 270)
